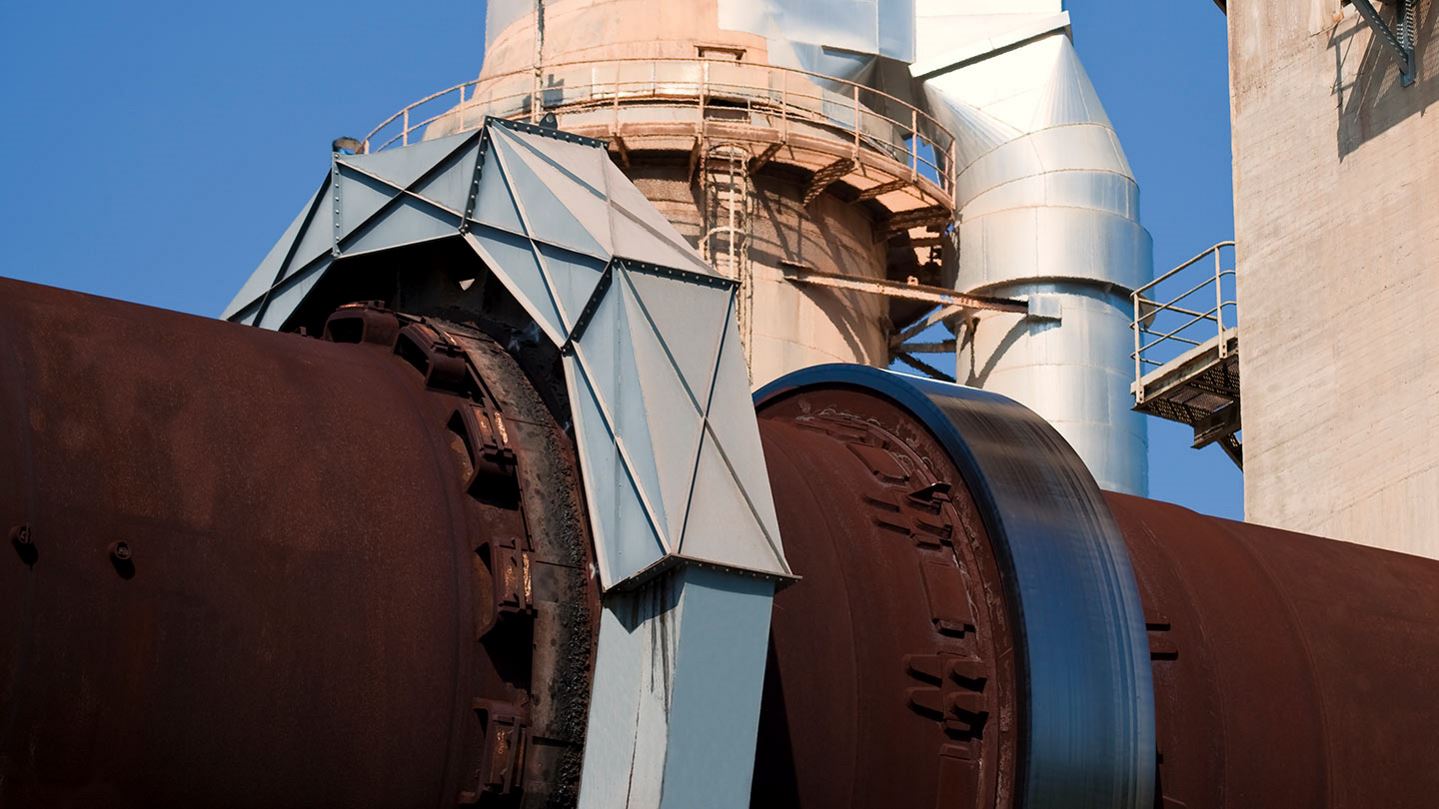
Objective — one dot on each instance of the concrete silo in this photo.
(864, 170)
(770, 168)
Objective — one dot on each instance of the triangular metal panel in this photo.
(284, 302)
(495, 204)
(586, 163)
(403, 166)
(690, 317)
(673, 418)
(318, 237)
(720, 527)
(269, 269)
(547, 212)
(624, 540)
(360, 198)
(575, 175)
(608, 363)
(449, 185)
(731, 427)
(573, 277)
(639, 232)
(635, 241)
(512, 259)
(407, 222)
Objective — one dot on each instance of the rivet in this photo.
(24, 544)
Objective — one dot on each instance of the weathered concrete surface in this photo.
(792, 326)
(1336, 180)
(787, 327)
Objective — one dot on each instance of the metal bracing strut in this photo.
(1401, 40)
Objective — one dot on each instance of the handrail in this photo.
(866, 118)
(1168, 325)
(1213, 249)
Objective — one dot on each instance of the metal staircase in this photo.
(1186, 349)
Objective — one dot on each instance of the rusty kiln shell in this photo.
(254, 569)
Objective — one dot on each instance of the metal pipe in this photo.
(1047, 207)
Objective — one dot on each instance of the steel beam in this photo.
(800, 274)
(923, 367)
(941, 347)
(1402, 40)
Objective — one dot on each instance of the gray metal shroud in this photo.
(653, 362)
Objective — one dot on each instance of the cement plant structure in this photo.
(1336, 207)
(865, 171)
(473, 501)
(1314, 317)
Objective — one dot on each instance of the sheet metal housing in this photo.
(652, 358)
(1048, 208)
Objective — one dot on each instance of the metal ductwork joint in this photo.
(1048, 210)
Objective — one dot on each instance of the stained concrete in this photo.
(1336, 178)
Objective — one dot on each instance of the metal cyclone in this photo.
(1085, 700)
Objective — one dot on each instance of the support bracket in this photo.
(1401, 38)
(923, 367)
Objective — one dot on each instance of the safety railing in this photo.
(1189, 307)
(788, 100)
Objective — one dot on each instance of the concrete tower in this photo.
(1336, 182)
(772, 171)
(864, 169)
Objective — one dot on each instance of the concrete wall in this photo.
(580, 30)
(789, 327)
(1336, 182)
(792, 326)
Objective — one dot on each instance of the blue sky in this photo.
(155, 151)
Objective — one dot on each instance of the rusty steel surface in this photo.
(1289, 670)
(253, 569)
(891, 677)
(1080, 706)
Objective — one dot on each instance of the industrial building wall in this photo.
(1336, 182)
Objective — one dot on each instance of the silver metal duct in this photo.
(839, 38)
(1049, 210)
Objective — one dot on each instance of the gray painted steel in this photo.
(677, 490)
(1088, 705)
(839, 38)
(679, 654)
(668, 442)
